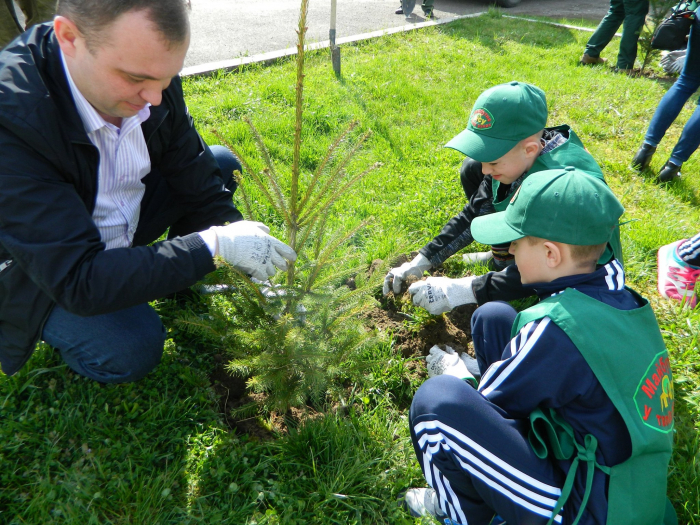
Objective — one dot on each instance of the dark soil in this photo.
(411, 338)
(453, 329)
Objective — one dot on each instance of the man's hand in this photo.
(248, 247)
(448, 362)
(415, 267)
(440, 294)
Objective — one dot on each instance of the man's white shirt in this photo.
(124, 161)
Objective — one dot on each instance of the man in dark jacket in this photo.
(99, 158)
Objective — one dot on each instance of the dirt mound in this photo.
(452, 328)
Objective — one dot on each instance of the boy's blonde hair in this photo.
(584, 256)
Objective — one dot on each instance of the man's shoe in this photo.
(478, 258)
(422, 502)
(626, 71)
(642, 158)
(428, 14)
(676, 279)
(399, 11)
(588, 60)
(669, 172)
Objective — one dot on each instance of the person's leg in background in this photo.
(668, 110)
(604, 33)
(635, 14)
(37, 11)
(427, 7)
(9, 28)
(159, 211)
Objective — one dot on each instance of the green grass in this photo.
(158, 452)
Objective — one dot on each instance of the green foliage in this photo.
(658, 10)
(304, 348)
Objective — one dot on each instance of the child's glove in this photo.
(246, 246)
(417, 266)
(448, 362)
(441, 294)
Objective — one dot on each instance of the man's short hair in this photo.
(170, 17)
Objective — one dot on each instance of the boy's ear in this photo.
(532, 148)
(553, 254)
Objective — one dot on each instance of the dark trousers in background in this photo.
(629, 14)
(35, 12)
(126, 345)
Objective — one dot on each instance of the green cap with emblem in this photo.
(563, 205)
(501, 117)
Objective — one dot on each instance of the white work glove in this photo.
(448, 362)
(417, 266)
(441, 294)
(248, 247)
(673, 61)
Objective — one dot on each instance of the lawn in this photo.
(160, 451)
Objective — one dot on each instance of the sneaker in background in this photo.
(676, 278)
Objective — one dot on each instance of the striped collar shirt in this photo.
(124, 161)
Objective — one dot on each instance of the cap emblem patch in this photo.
(481, 119)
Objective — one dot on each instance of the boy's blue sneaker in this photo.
(497, 520)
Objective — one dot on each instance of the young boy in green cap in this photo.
(505, 141)
(572, 420)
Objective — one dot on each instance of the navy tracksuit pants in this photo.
(477, 459)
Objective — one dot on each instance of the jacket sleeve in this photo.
(500, 286)
(540, 367)
(189, 167)
(456, 234)
(48, 232)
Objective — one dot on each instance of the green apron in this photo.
(571, 153)
(625, 350)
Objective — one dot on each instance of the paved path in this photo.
(226, 29)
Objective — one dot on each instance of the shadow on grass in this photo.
(488, 31)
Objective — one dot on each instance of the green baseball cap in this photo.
(563, 205)
(501, 117)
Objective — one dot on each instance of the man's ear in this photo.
(553, 254)
(67, 35)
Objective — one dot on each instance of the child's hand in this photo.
(448, 362)
(441, 294)
(416, 267)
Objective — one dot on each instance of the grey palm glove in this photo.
(416, 267)
(248, 247)
(448, 362)
(441, 294)
(673, 61)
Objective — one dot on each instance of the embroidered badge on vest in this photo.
(654, 397)
(481, 119)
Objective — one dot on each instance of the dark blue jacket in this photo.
(543, 368)
(50, 249)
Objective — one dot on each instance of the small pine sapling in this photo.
(308, 341)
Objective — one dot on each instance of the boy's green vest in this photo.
(571, 153)
(625, 350)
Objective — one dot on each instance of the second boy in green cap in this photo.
(572, 421)
(505, 140)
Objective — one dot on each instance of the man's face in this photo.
(510, 166)
(127, 68)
